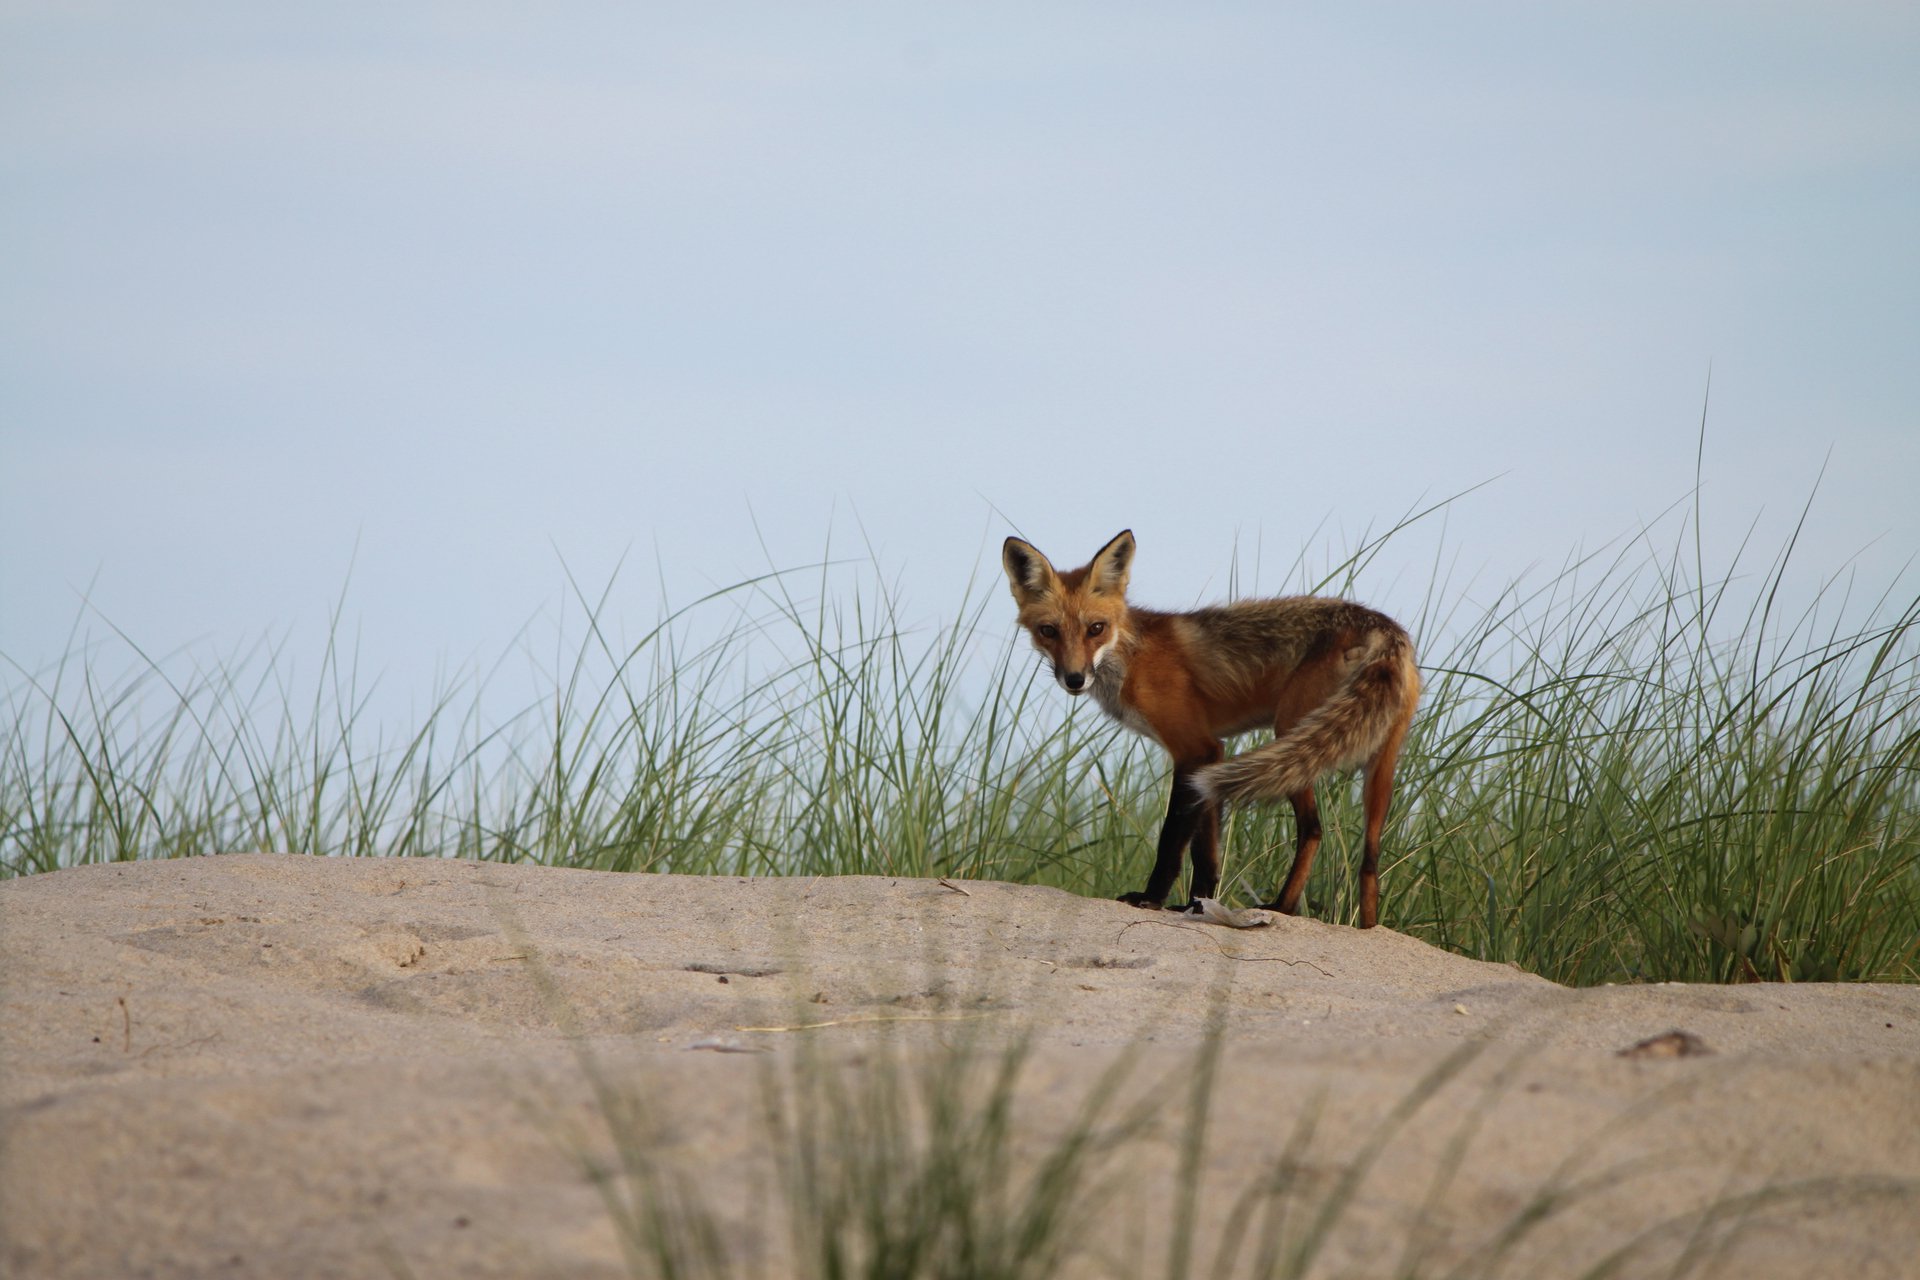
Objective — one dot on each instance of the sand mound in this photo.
(270, 1065)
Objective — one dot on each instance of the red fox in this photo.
(1335, 679)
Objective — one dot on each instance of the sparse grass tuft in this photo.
(900, 1162)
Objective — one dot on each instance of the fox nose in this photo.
(1074, 680)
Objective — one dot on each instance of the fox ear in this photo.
(1028, 572)
(1113, 564)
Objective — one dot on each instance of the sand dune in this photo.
(280, 1066)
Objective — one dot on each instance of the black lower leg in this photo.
(1184, 812)
(1205, 852)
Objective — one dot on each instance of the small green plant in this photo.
(890, 1162)
(901, 1166)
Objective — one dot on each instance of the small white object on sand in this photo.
(1215, 912)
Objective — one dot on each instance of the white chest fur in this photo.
(1109, 682)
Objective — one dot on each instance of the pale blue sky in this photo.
(474, 287)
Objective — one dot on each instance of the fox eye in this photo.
(1048, 631)
(1095, 628)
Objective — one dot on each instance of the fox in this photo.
(1335, 680)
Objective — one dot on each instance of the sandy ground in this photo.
(278, 1066)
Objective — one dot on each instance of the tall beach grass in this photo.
(1629, 769)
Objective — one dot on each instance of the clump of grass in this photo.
(1632, 770)
(751, 732)
(1615, 783)
(887, 1163)
(894, 1163)
(905, 1168)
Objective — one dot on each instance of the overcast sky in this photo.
(453, 293)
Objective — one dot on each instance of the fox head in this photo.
(1076, 617)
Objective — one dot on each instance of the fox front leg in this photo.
(1191, 820)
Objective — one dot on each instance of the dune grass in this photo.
(1630, 770)
(896, 1161)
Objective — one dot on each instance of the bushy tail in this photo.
(1346, 730)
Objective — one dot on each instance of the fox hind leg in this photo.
(1317, 680)
(1306, 843)
(1375, 795)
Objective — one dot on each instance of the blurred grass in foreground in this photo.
(949, 1162)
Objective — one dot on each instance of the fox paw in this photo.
(1142, 901)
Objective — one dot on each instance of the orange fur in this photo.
(1335, 680)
